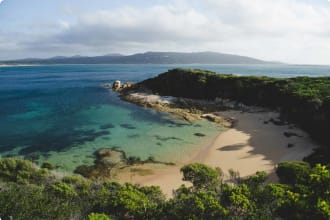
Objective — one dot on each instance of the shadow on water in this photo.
(61, 141)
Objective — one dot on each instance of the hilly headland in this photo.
(268, 120)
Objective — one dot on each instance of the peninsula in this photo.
(264, 128)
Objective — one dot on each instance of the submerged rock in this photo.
(109, 156)
(128, 126)
(199, 134)
(109, 161)
(107, 126)
(160, 138)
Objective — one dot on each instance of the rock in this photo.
(85, 171)
(107, 85)
(199, 134)
(290, 134)
(277, 122)
(107, 159)
(107, 156)
(109, 163)
(213, 118)
(290, 145)
(116, 85)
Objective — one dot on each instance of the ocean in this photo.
(62, 114)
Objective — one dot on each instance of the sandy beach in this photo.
(253, 144)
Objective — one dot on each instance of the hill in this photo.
(146, 58)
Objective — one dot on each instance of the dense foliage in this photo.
(74, 197)
(302, 100)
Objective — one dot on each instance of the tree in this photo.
(201, 176)
(188, 204)
(129, 202)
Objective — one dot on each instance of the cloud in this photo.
(286, 30)
(156, 24)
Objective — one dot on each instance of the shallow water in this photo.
(62, 114)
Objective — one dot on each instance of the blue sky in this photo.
(294, 31)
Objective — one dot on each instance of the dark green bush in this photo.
(200, 175)
(293, 172)
(74, 197)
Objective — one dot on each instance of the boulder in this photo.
(116, 85)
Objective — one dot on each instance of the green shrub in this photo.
(98, 216)
(21, 171)
(200, 175)
(293, 172)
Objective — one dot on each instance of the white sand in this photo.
(249, 147)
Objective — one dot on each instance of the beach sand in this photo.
(251, 145)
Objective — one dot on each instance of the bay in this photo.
(62, 113)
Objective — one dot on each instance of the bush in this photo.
(293, 172)
(98, 216)
(22, 171)
(200, 175)
(47, 165)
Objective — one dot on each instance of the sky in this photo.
(291, 31)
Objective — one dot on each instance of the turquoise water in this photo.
(62, 114)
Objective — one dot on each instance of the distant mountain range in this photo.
(146, 58)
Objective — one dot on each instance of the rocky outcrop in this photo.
(183, 108)
(105, 164)
(110, 161)
(116, 85)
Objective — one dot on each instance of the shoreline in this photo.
(251, 146)
(256, 139)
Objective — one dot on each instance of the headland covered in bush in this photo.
(304, 101)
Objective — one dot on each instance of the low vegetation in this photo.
(28, 192)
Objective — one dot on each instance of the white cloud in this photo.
(286, 30)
